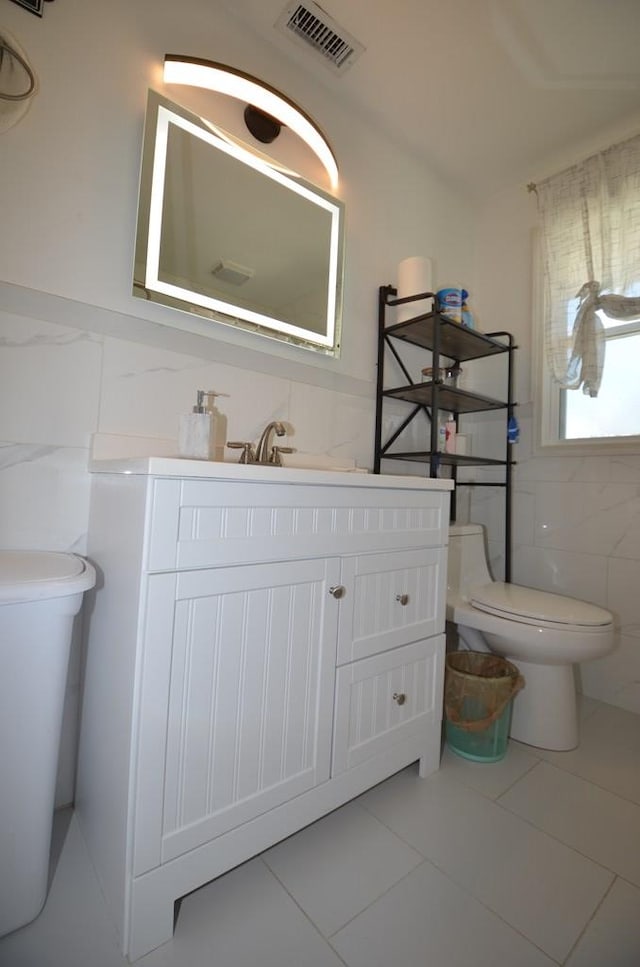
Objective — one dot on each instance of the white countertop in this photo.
(214, 470)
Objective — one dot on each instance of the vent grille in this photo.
(232, 272)
(309, 24)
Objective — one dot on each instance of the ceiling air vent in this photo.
(308, 23)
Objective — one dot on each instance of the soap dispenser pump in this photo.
(194, 439)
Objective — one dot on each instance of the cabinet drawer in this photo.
(384, 700)
(390, 600)
(208, 523)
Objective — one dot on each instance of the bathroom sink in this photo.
(320, 461)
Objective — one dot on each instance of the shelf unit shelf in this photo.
(449, 399)
(440, 336)
(456, 342)
(446, 459)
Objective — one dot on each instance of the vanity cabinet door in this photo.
(236, 704)
(391, 599)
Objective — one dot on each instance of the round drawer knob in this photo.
(402, 598)
(337, 591)
(399, 697)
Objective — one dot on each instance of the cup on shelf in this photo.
(448, 376)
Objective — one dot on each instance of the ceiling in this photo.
(484, 91)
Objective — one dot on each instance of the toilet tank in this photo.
(467, 561)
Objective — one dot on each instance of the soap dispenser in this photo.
(194, 439)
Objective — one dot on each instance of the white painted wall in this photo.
(80, 355)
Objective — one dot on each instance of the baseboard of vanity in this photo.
(153, 895)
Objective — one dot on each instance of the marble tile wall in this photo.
(59, 386)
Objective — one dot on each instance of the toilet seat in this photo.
(529, 606)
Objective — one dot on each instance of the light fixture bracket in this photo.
(262, 126)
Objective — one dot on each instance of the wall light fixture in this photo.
(227, 80)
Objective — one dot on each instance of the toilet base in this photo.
(545, 713)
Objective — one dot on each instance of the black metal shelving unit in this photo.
(457, 344)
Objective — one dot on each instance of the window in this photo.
(589, 302)
(615, 411)
(571, 421)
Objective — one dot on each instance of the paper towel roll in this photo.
(414, 276)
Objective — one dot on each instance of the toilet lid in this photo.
(536, 607)
(33, 575)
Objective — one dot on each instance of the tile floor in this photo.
(531, 861)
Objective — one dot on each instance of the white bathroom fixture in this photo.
(40, 594)
(543, 634)
(268, 644)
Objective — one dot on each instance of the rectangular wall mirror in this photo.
(226, 235)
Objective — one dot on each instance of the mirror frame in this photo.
(161, 113)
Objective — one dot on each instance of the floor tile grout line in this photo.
(461, 886)
(590, 920)
(575, 849)
(356, 803)
(493, 912)
(539, 761)
(422, 860)
(534, 765)
(302, 910)
(495, 798)
(613, 873)
(106, 906)
(384, 893)
(560, 842)
(510, 812)
(425, 861)
(593, 782)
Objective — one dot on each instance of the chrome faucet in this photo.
(263, 454)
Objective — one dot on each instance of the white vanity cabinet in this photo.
(264, 645)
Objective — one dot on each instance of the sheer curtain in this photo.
(590, 217)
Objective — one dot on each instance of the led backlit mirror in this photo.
(227, 235)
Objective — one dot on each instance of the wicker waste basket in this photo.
(478, 693)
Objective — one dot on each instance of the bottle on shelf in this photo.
(450, 435)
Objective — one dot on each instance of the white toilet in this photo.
(543, 634)
(40, 594)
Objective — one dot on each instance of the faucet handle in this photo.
(275, 457)
(247, 455)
